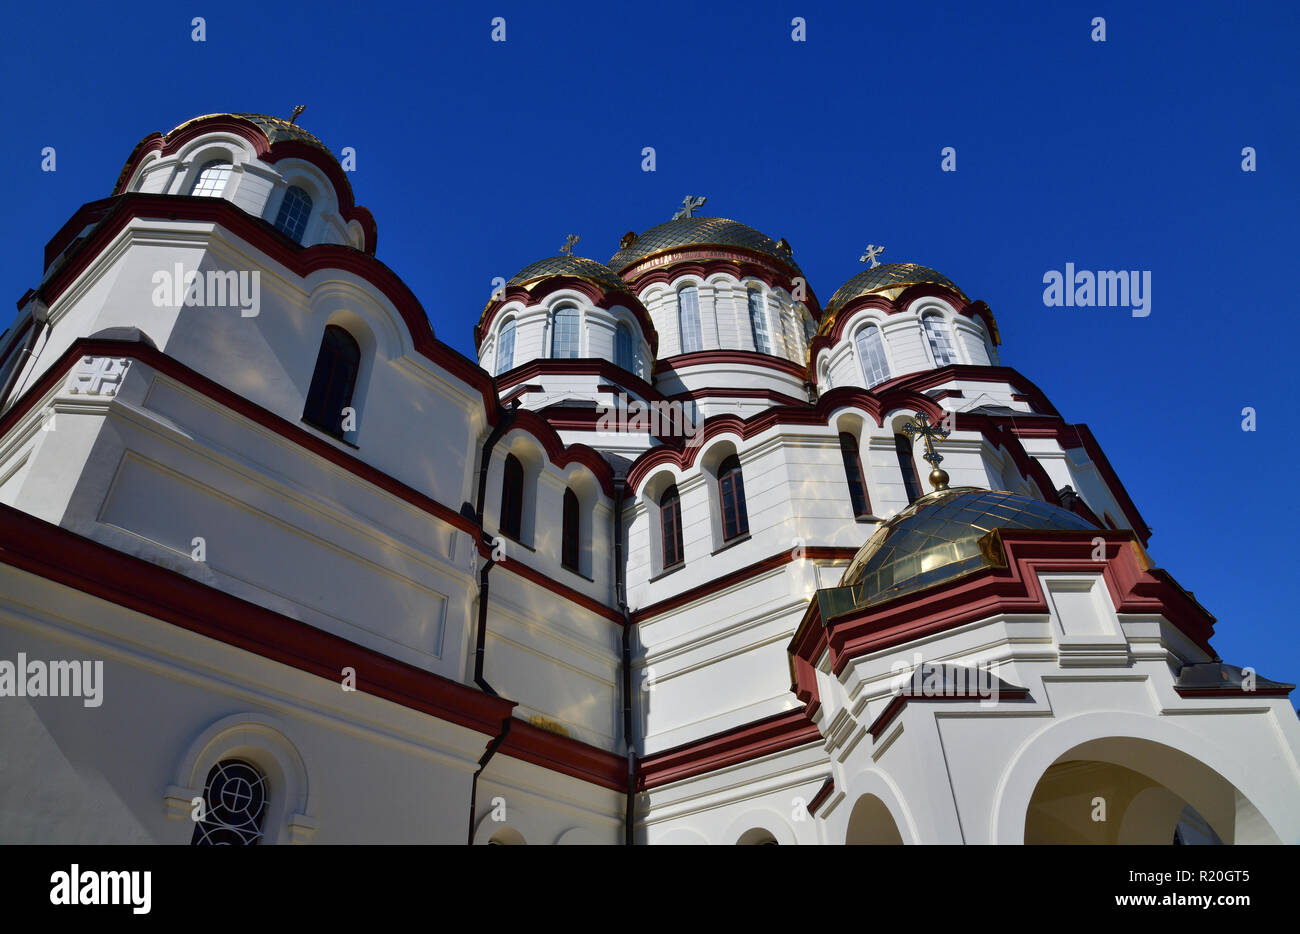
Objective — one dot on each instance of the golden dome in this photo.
(273, 128)
(883, 278)
(701, 231)
(938, 538)
(579, 267)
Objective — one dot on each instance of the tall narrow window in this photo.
(936, 332)
(333, 381)
(670, 524)
(906, 463)
(758, 322)
(234, 804)
(853, 473)
(571, 539)
(688, 319)
(211, 180)
(506, 347)
(512, 497)
(294, 211)
(731, 489)
(871, 352)
(624, 355)
(564, 337)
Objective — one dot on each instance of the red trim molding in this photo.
(900, 701)
(823, 793)
(61, 556)
(762, 737)
(601, 298)
(1134, 587)
(813, 553)
(267, 152)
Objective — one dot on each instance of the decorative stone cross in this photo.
(689, 204)
(569, 243)
(919, 424)
(870, 256)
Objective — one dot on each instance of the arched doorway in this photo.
(1124, 790)
(871, 824)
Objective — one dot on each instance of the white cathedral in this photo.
(674, 561)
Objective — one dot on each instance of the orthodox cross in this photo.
(689, 204)
(870, 256)
(569, 242)
(919, 424)
(297, 112)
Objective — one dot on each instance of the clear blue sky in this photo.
(478, 157)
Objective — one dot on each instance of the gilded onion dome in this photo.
(273, 128)
(940, 537)
(578, 267)
(885, 278)
(688, 232)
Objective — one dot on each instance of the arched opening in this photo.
(506, 347)
(907, 466)
(564, 334)
(571, 542)
(688, 319)
(512, 497)
(757, 836)
(507, 836)
(333, 382)
(871, 824)
(871, 354)
(670, 528)
(758, 321)
(1123, 790)
(235, 798)
(212, 178)
(939, 337)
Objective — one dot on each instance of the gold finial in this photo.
(569, 243)
(919, 424)
(297, 112)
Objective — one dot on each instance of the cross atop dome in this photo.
(870, 256)
(919, 425)
(689, 204)
(569, 243)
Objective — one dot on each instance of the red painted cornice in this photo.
(743, 266)
(568, 756)
(683, 456)
(529, 296)
(266, 152)
(112, 218)
(1135, 588)
(976, 309)
(812, 553)
(66, 558)
(669, 366)
(584, 366)
(763, 737)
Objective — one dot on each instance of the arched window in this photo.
(295, 209)
(624, 355)
(936, 332)
(670, 525)
(234, 804)
(564, 336)
(211, 180)
(688, 319)
(853, 473)
(506, 347)
(333, 381)
(871, 352)
(512, 497)
(731, 490)
(758, 322)
(911, 482)
(571, 541)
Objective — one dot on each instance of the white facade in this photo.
(167, 450)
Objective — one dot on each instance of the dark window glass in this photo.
(731, 487)
(512, 497)
(570, 549)
(295, 209)
(853, 473)
(670, 520)
(234, 803)
(912, 483)
(333, 381)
